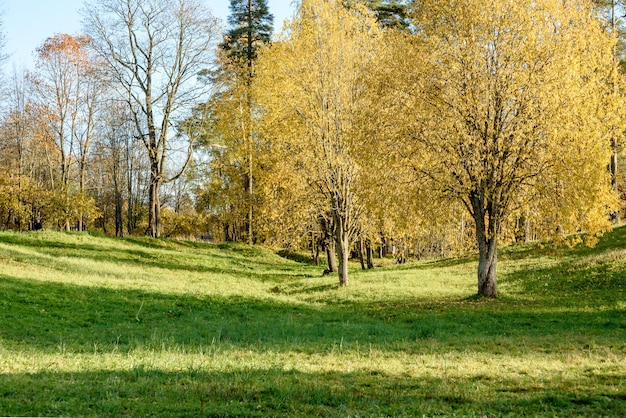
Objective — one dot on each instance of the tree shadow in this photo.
(42, 316)
(143, 391)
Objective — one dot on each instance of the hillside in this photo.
(91, 325)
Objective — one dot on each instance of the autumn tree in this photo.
(14, 149)
(251, 27)
(154, 51)
(313, 86)
(509, 106)
(59, 81)
(67, 88)
(612, 14)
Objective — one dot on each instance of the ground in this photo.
(98, 326)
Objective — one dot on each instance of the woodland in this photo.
(361, 129)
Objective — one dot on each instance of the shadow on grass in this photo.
(275, 392)
(46, 316)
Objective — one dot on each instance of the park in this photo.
(97, 326)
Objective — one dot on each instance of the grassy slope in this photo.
(96, 326)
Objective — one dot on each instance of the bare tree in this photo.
(154, 50)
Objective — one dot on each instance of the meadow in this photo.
(96, 326)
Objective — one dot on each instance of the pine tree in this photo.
(251, 26)
(390, 13)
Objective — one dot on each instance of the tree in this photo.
(61, 62)
(251, 27)
(154, 51)
(68, 87)
(612, 14)
(511, 108)
(313, 86)
(391, 13)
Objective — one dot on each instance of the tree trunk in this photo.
(328, 240)
(488, 258)
(362, 253)
(315, 249)
(343, 248)
(343, 253)
(487, 217)
(613, 168)
(119, 221)
(330, 255)
(154, 213)
(370, 254)
(486, 238)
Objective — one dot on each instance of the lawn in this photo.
(95, 326)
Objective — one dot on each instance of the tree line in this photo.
(421, 128)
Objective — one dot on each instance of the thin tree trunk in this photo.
(154, 212)
(315, 249)
(343, 248)
(119, 220)
(129, 189)
(361, 253)
(328, 239)
(370, 254)
(250, 58)
(613, 169)
(614, 141)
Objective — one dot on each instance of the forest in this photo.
(361, 129)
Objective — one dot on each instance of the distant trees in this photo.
(68, 87)
(155, 51)
(613, 14)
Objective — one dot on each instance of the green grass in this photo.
(93, 326)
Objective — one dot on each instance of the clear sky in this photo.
(27, 23)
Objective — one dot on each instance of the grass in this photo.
(93, 326)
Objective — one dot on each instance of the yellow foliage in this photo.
(315, 95)
(511, 108)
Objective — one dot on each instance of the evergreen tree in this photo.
(251, 26)
(390, 13)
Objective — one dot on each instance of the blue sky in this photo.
(27, 23)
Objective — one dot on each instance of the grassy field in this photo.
(93, 326)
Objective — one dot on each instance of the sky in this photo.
(28, 23)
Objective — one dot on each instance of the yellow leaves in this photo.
(317, 91)
(313, 83)
(512, 103)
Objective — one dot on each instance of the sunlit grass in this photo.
(96, 326)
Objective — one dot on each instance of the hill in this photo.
(91, 325)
